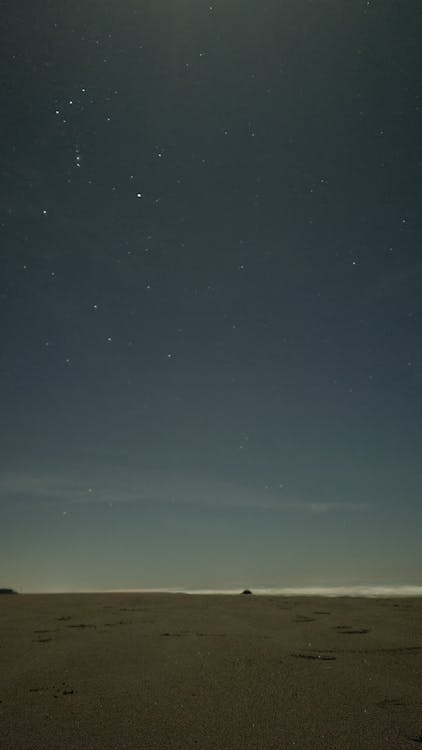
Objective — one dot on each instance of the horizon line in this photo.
(398, 590)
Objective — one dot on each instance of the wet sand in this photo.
(157, 671)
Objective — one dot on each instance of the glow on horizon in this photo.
(325, 591)
(332, 591)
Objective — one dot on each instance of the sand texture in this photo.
(141, 671)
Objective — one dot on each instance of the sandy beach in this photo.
(150, 671)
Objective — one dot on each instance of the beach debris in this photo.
(246, 591)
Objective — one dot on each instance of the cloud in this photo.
(321, 507)
(147, 487)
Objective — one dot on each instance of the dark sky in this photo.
(210, 296)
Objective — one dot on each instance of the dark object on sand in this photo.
(246, 591)
(7, 591)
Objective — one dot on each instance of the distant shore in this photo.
(402, 590)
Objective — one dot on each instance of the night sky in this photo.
(210, 296)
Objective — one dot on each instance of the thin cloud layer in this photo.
(158, 488)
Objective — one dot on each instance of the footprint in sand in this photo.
(350, 630)
(82, 625)
(357, 631)
(41, 640)
(44, 631)
(314, 657)
(64, 689)
(390, 702)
